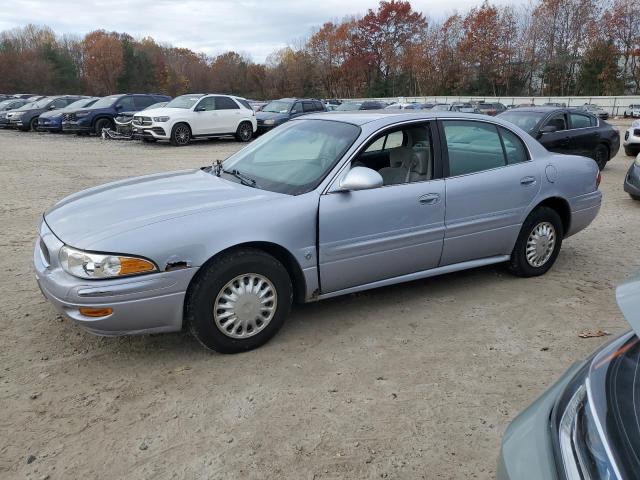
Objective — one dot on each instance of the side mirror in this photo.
(294, 111)
(52, 107)
(360, 178)
(548, 129)
(199, 109)
(118, 107)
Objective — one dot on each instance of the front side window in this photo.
(295, 157)
(225, 103)
(206, 104)
(297, 108)
(558, 121)
(472, 147)
(580, 121)
(184, 101)
(404, 155)
(127, 104)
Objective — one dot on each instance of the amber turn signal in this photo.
(96, 312)
(129, 266)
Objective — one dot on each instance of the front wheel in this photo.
(601, 156)
(33, 125)
(244, 132)
(180, 135)
(538, 243)
(100, 124)
(239, 301)
(635, 197)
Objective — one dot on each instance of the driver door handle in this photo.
(429, 199)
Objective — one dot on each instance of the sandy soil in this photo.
(412, 381)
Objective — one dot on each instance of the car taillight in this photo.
(598, 178)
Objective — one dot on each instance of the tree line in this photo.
(549, 47)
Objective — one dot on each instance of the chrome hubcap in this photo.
(540, 244)
(246, 132)
(245, 306)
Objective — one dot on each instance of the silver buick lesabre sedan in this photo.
(324, 205)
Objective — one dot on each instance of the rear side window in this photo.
(514, 149)
(472, 147)
(308, 106)
(244, 103)
(319, 106)
(580, 121)
(225, 103)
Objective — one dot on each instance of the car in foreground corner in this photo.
(569, 131)
(632, 179)
(324, 205)
(197, 116)
(586, 425)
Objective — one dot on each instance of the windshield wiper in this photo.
(244, 179)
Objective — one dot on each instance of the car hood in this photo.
(51, 113)
(269, 115)
(84, 218)
(162, 112)
(628, 296)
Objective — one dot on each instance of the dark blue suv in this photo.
(101, 114)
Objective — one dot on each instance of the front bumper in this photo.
(142, 304)
(632, 180)
(51, 126)
(77, 126)
(152, 131)
(262, 128)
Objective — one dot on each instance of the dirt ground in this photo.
(412, 381)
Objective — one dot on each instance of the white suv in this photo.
(194, 116)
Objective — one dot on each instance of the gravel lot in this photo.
(412, 381)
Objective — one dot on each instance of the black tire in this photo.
(33, 124)
(601, 155)
(244, 133)
(210, 283)
(519, 265)
(100, 124)
(180, 135)
(630, 152)
(635, 197)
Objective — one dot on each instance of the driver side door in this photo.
(558, 141)
(393, 230)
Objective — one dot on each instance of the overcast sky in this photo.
(253, 27)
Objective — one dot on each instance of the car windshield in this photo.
(278, 106)
(294, 158)
(28, 106)
(184, 101)
(349, 106)
(106, 101)
(527, 121)
(6, 103)
(156, 105)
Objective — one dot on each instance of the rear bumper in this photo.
(584, 209)
(143, 304)
(632, 180)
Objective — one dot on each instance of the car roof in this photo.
(547, 109)
(384, 117)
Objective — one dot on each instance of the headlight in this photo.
(269, 121)
(97, 265)
(161, 119)
(82, 114)
(17, 114)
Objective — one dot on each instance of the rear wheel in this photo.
(244, 132)
(239, 301)
(100, 124)
(538, 243)
(180, 135)
(601, 156)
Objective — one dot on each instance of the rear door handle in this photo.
(429, 199)
(527, 180)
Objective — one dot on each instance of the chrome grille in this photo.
(69, 117)
(141, 121)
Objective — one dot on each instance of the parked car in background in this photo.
(51, 121)
(8, 105)
(26, 117)
(554, 104)
(102, 113)
(256, 105)
(595, 110)
(325, 205)
(632, 111)
(364, 105)
(404, 106)
(280, 111)
(569, 131)
(631, 142)
(586, 425)
(197, 116)
(632, 179)
(491, 109)
(441, 107)
(123, 119)
(464, 108)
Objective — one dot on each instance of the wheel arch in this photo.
(102, 116)
(277, 251)
(178, 122)
(562, 208)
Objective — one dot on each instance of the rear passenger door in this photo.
(228, 115)
(490, 183)
(584, 134)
